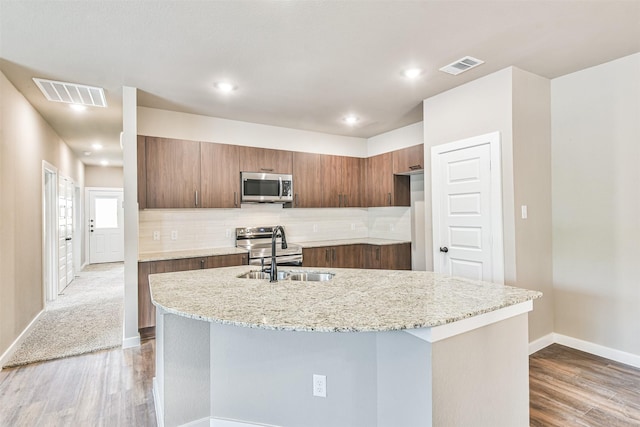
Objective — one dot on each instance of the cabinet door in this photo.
(395, 257)
(410, 159)
(142, 173)
(254, 159)
(331, 181)
(146, 310)
(317, 257)
(307, 180)
(173, 173)
(183, 264)
(354, 184)
(347, 256)
(379, 180)
(220, 175)
(227, 260)
(372, 255)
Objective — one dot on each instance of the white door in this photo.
(65, 232)
(106, 229)
(467, 203)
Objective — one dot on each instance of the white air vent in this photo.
(461, 65)
(72, 93)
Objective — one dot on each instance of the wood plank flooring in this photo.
(114, 388)
(105, 388)
(572, 388)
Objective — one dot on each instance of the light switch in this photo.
(523, 208)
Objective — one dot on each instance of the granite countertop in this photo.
(361, 241)
(191, 253)
(353, 301)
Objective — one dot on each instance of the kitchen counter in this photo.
(392, 348)
(353, 301)
(190, 253)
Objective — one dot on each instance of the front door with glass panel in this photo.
(106, 230)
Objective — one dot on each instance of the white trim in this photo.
(598, 350)
(53, 280)
(438, 333)
(497, 225)
(158, 404)
(16, 343)
(227, 422)
(541, 343)
(131, 341)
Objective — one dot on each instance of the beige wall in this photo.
(516, 104)
(103, 176)
(25, 141)
(596, 204)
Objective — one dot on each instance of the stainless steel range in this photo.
(257, 240)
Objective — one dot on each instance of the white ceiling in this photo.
(302, 63)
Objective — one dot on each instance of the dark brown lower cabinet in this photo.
(146, 310)
(387, 257)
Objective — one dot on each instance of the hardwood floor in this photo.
(572, 388)
(114, 388)
(105, 388)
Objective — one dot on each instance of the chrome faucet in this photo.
(273, 274)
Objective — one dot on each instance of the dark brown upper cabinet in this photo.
(409, 160)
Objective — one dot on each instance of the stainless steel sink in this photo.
(282, 275)
(299, 276)
(310, 276)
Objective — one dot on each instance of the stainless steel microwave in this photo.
(266, 187)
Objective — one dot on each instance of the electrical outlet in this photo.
(174, 234)
(315, 228)
(227, 233)
(353, 227)
(156, 235)
(319, 385)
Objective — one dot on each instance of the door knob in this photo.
(444, 249)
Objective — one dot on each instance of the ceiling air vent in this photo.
(72, 93)
(461, 65)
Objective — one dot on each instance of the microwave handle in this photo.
(280, 186)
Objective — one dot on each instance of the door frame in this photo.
(49, 240)
(87, 215)
(497, 224)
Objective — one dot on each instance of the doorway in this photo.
(467, 208)
(106, 225)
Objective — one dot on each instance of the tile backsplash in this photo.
(181, 229)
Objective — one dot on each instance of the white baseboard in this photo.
(158, 404)
(598, 350)
(16, 343)
(131, 342)
(541, 343)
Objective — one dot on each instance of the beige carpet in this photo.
(86, 317)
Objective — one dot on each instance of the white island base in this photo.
(473, 372)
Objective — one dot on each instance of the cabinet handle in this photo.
(326, 255)
(377, 254)
(389, 197)
(339, 200)
(235, 199)
(295, 200)
(196, 198)
(334, 253)
(346, 205)
(267, 169)
(201, 263)
(415, 167)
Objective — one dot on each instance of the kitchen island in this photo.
(397, 348)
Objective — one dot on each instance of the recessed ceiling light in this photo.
(351, 119)
(96, 146)
(87, 153)
(225, 87)
(77, 107)
(412, 73)
(104, 162)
